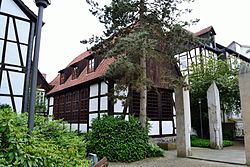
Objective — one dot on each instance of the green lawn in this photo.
(205, 143)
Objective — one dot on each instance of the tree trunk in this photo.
(143, 92)
(143, 95)
(126, 104)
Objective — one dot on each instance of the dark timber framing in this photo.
(22, 67)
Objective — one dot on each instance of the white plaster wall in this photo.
(11, 31)
(50, 111)
(17, 82)
(5, 100)
(4, 88)
(93, 90)
(101, 114)
(104, 88)
(67, 126)
(174, 112)
(9, 6)
(91, 117)
(174, 120)
(154, 130)
(51, 101)
(104, 103)
(183, 62)
(93, 104)
(24, 50)
(74, 127)
(12, 55)
(83, 128)
(3, 20)
(18, 103)
(118, 107)
(167, 127)
(1, 48)
(23, 29)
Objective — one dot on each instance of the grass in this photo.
(205, 143)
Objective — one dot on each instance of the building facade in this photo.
(80, 94)
(17, 28)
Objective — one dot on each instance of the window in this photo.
(74, 72)
(183, 62)
(91, 65)
(62, 78)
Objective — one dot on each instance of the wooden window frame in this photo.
(91, 65)
(74, 73)
(62, 78)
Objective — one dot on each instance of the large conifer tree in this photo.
(136, 31)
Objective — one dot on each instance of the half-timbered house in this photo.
(17, 28)
(207, 48)
(80, 94)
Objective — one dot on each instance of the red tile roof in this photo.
(204, 31)
(103, 66)
(80, 57)
(83, 77)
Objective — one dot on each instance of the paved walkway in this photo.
(233, 156)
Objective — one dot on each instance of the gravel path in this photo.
(171, 160)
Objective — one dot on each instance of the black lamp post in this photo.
(41, 4)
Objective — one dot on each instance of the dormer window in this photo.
(91, 65)
(62, 78)
(74, 72)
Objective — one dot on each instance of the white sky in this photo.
(69, 21)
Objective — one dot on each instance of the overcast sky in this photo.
(69, 21)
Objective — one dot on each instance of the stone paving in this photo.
(228, 157)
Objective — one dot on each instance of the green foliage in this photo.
(50, 145)
(139, 33)
(224, 74)
(120, 140)
(154, 151)
(205, 143)
(226, 78)
(138, 29)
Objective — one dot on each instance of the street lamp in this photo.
(41, 4)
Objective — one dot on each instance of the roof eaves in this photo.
(26, 10)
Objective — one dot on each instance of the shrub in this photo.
(205, 143)
(154, 151)
(44, 148)
(119, 140)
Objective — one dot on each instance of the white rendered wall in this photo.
(104, 88)
(9, 6)
(118, 106)
(167, 127)
(51, 104)
(104, 103)
(93, 90)
(155, 128)
(12, 56)
(93, 104)
(83, 128)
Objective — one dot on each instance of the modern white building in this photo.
(242, 49)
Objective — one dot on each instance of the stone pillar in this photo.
(214, 114)
(183, 121)
(244, 84)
